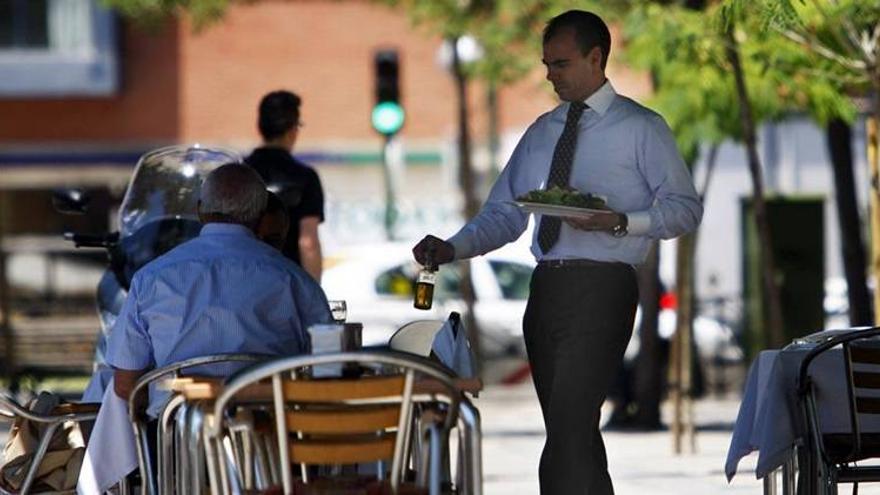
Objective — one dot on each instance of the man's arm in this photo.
(310, 246)
(124, 381)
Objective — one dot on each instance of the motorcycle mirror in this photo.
(71, 201)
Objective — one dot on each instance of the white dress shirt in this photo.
(625, 153)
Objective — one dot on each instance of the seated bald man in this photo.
(224, 291)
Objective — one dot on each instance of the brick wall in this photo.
(179, 85)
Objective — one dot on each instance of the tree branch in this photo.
(817, 47)
(850, 40)
(873, 46)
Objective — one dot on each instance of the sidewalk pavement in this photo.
(640, 463)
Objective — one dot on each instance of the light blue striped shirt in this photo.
(625, 153)
(224, 291)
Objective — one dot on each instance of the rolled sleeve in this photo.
(129, 346)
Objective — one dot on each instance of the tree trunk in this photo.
(874, 167)
(682, 359)
(649, 363)
(774, 326)
(839, 137)
(471, 206)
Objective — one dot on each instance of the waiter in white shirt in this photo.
(583, 296)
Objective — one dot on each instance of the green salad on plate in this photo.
(564, 197)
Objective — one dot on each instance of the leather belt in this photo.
(571, 263)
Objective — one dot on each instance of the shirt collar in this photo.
(217, 228)
(601, 99)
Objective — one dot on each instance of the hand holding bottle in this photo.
(442, 251)
(424, 293)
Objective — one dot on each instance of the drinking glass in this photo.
(339, 310)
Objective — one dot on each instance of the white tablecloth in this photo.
(111, 453)
(770, 418)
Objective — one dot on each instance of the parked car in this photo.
(377, 282)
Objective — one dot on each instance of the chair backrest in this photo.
(149, 485)
(341, 420)
(861, 355)
(416, 337)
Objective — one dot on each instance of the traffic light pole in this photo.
(390, 193)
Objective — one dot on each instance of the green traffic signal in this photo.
(387, 117)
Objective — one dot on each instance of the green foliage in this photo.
(684, 50)
(154, 12)
(840, 36)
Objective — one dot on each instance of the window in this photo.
(23, 24)
(57, 48)
(513, 279)
(398, 281)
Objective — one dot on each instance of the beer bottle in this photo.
(425, 283)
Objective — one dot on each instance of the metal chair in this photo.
(340, 420)
(174, 420)
(11, 410)
(835, 454)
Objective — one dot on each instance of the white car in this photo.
(376, 281)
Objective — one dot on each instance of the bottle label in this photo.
(426, 277)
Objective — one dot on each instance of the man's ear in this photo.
(595, 56)
(199, 211)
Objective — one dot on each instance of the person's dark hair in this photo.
(279, 112)
(275, 206)
(590, 31)
(275, 223)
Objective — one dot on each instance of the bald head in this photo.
(232, 193)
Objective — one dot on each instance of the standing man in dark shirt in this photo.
(293, 181)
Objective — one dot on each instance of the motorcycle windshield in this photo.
(159, 210)
(165, 185)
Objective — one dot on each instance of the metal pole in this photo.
(390, 201)
(770, 483)
(8, 366)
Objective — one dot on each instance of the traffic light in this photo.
(388, 114)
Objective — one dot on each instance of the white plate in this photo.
(559, 210)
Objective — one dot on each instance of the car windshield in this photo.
(165, 185)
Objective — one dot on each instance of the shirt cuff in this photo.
(638, 223)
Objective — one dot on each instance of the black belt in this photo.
(571, 263)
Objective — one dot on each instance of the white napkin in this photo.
(110, 454)
(452, 347)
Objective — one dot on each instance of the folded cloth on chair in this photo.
(111, 453)
(452, 347)
(60, 465)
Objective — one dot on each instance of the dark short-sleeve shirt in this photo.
(298, 186)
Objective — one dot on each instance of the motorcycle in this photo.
(157, 213)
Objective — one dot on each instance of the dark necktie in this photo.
(560, 170)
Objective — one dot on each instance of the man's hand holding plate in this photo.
(602, 221)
